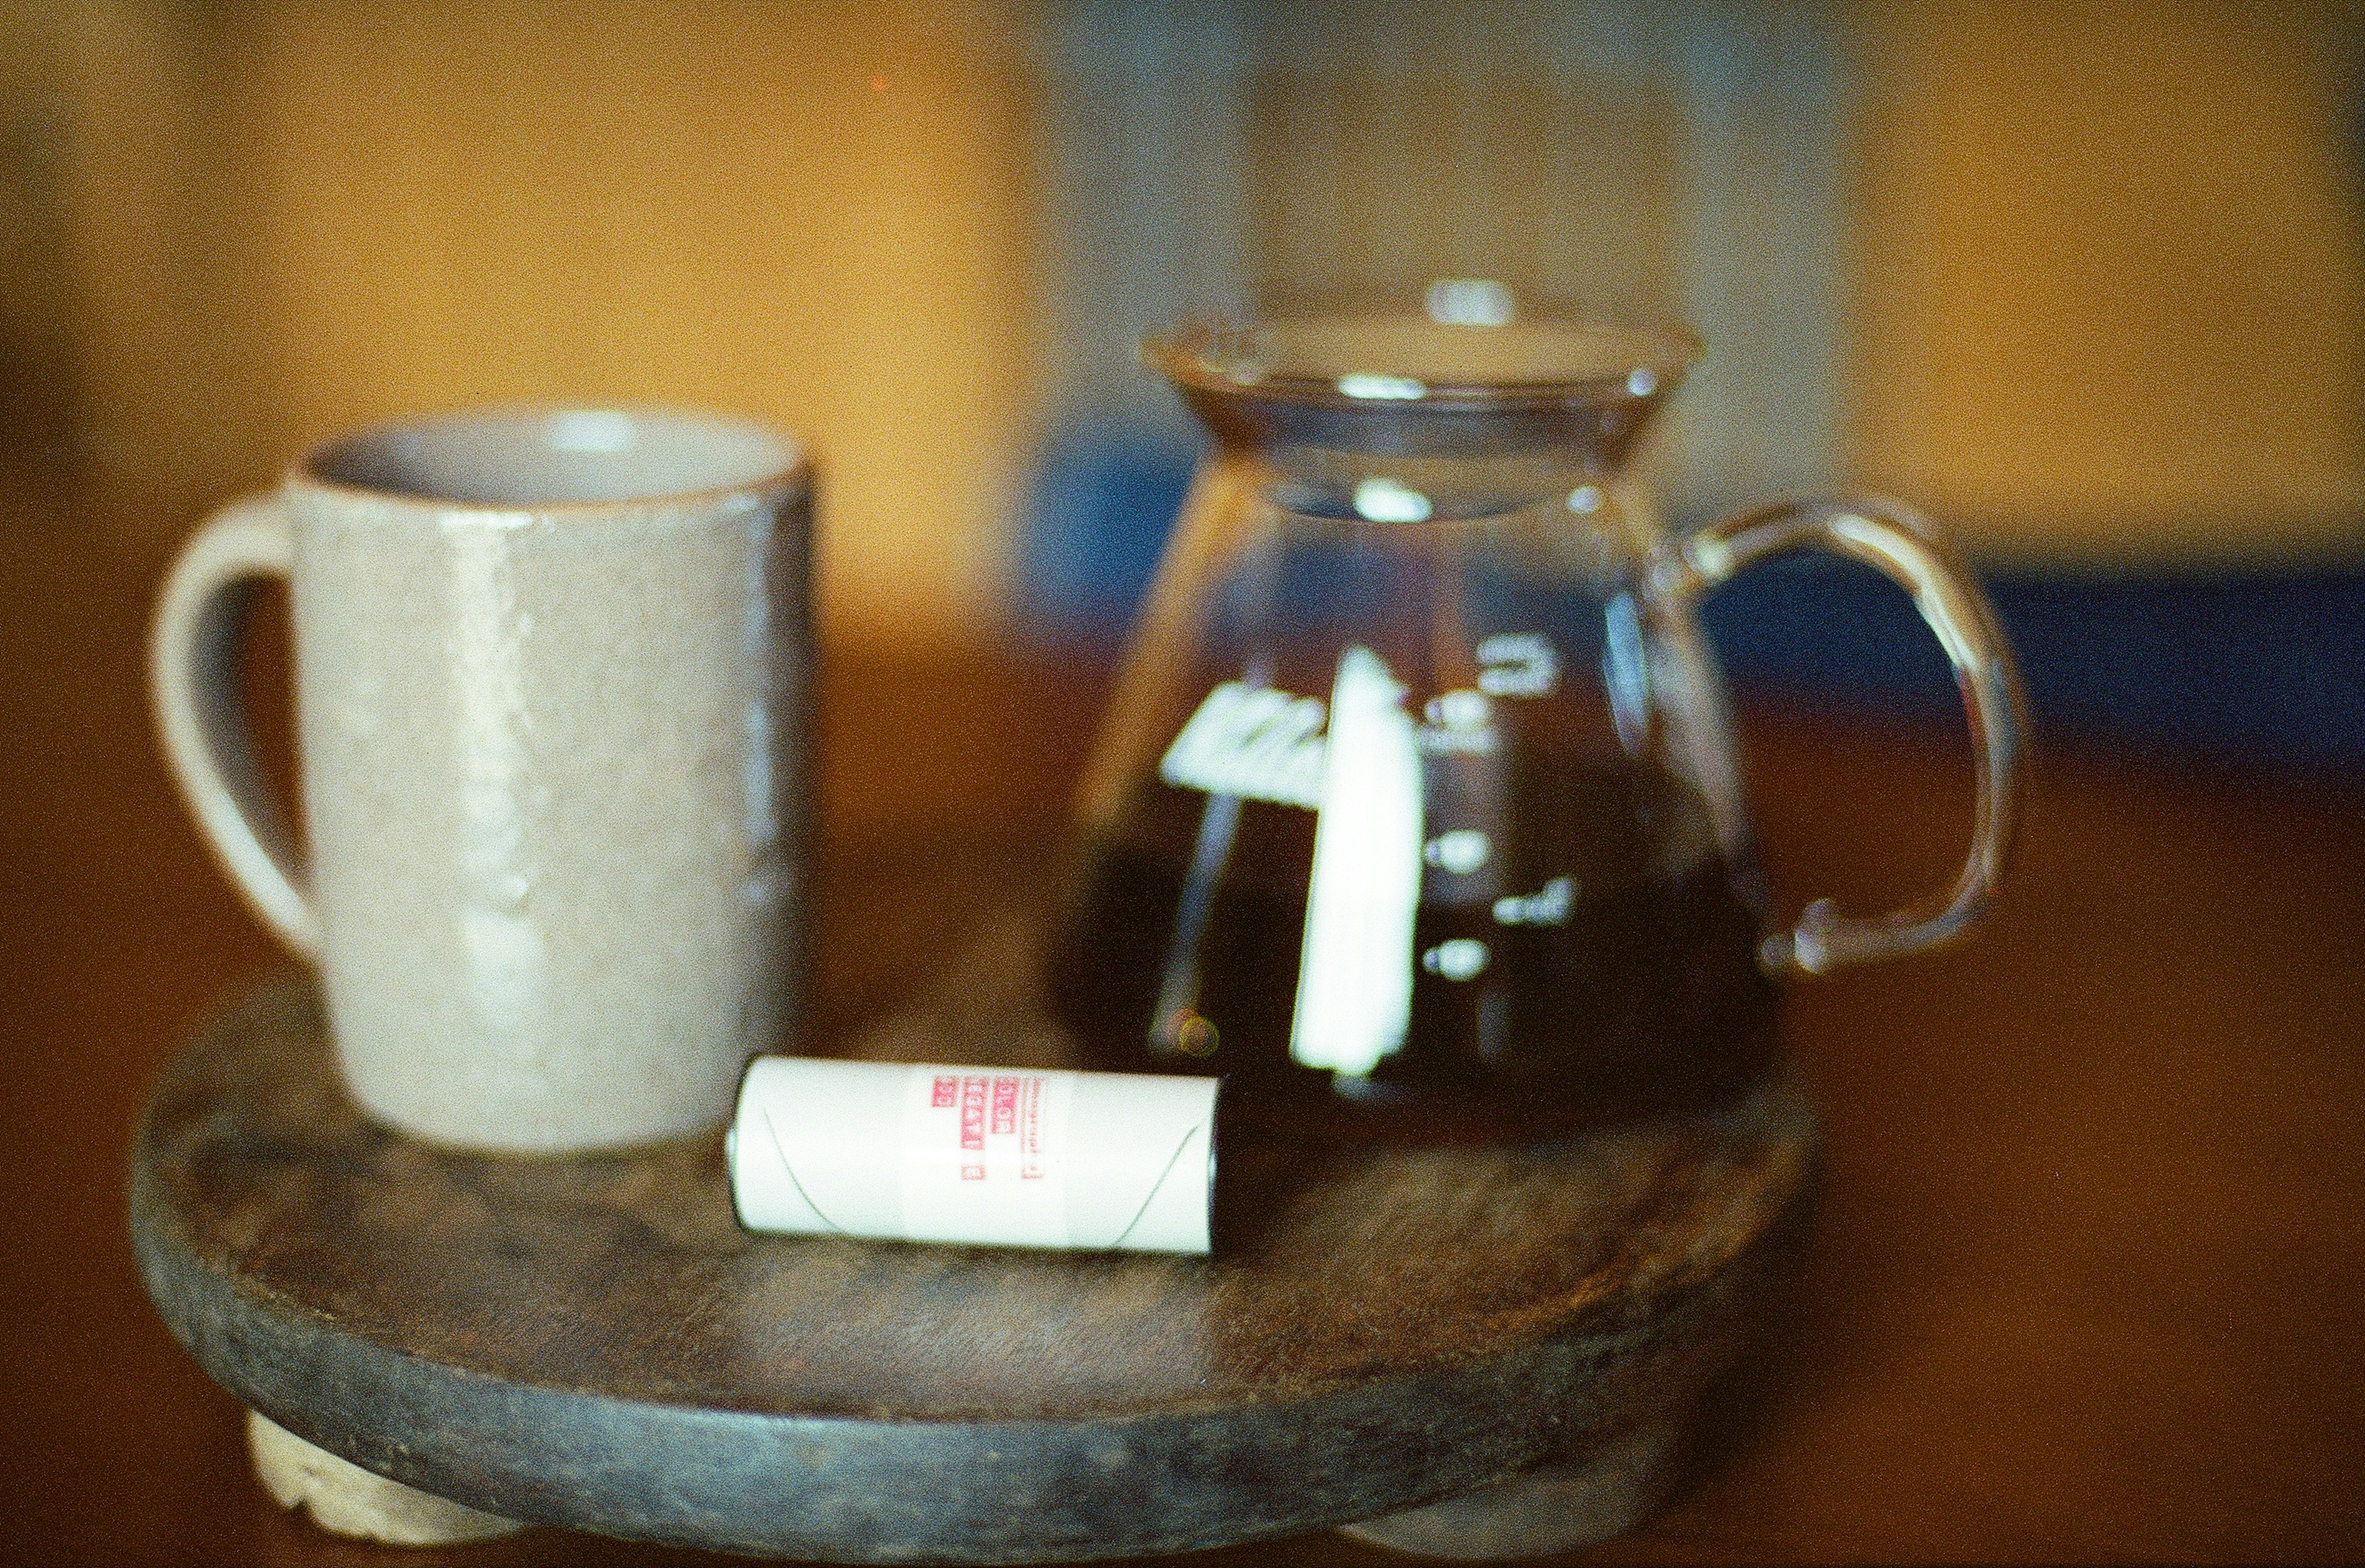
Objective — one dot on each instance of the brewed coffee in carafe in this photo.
(1416, 800)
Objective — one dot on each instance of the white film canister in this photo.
(998, 1156)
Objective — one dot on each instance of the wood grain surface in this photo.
(2085, 1284)
(596, 1342)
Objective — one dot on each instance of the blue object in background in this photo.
(2247, 669)
(2256, 664)
(1101, 507)
(2255, 668)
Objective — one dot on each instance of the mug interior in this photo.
(538, 457)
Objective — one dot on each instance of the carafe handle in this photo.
(1904, 546)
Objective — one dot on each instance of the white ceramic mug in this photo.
(550, 669)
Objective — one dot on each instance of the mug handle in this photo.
(193, 678)
(1905, 547)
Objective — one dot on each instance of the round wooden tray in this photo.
(595, 1343)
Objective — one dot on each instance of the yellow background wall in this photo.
(2112, 293)
(293, 218)
(2110, 300)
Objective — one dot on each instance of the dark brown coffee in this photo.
(1626, 981)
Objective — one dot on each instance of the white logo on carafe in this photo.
(1252, 741)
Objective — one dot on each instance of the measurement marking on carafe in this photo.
(1461, 958)
(1382, 500)
(1461, 709)
(1461, 851)
(1460, 723)
(1548, 906)
(1518, 664)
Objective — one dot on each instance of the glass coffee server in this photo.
(1417, 799)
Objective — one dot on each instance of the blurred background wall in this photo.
(2084, 277)
(237, 228)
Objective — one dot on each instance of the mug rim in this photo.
(791, 468)
(1210, 352)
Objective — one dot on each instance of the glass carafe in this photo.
(1416, 796)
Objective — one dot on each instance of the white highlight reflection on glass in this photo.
(1468, 302)
(1626, 671)
(1584, 498)
(1383, 389)
(1642, 382)
(1384, 501)
(1354, 978)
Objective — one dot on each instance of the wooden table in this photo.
(2087, 1282)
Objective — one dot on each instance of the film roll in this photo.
(1003, 1157)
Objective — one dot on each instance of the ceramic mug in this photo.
(550, 670)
